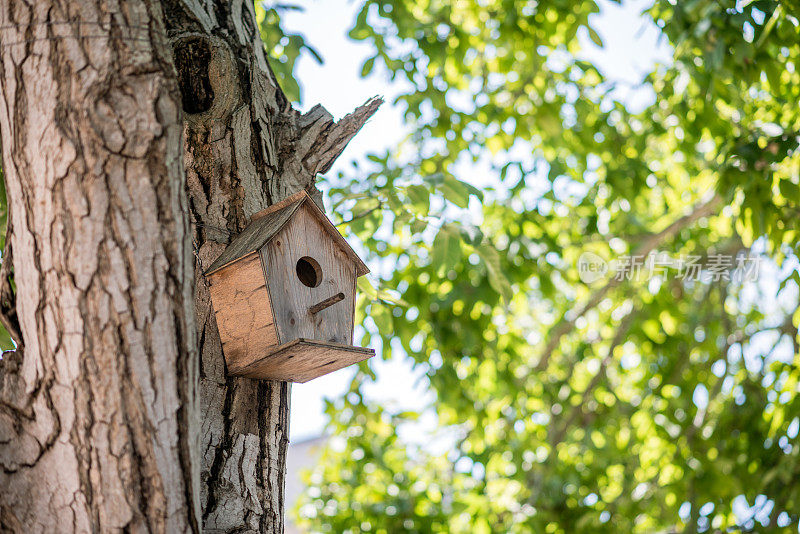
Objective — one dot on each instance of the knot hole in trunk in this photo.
(207, 77)
(192, 58)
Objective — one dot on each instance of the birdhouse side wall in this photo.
(304, 236)
(243, 311)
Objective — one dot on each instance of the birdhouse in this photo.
(284, 295)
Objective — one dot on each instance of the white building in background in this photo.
(300, 456)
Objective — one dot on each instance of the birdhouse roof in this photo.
(266, 223)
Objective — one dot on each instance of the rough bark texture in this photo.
(118, 413)
(96, 410)
(246, 148)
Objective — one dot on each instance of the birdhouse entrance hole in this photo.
(308, 271)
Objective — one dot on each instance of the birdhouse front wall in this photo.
(324, 272)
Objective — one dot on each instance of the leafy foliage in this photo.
(615, 406)
(283, 48)
(6, 343)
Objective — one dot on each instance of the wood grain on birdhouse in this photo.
(284, 295)
(304, 245)
(304, 359)
(243, 311)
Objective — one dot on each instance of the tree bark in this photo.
(117, 411)
(96, 410)
(246, 148)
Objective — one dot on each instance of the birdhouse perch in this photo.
(284, 295)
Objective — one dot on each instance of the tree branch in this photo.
(567, 322)
(619, 337)
(361, 215)
(309, 143)
(325, 139)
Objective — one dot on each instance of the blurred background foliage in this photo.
(651, 405)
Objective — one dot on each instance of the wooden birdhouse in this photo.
(284, 295)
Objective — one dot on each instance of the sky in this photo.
(631, 48)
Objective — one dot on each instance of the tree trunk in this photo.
(95, 423)
(105, 421)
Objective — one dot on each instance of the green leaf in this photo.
(458, 192)
(593, 35)
(366, 69)
(6, 342)
(446, 252)
(420, 197)
(382, 316)
(471, 235)
(790, 191)
(497, 278)
(366, 287)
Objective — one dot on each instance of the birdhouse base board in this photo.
(302, 360)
